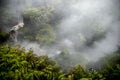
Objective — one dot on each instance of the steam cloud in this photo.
(88, 28)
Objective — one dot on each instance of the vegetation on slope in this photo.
(16, 64)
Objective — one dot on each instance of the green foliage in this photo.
(3, 37)
(111, 70)
(3, 34)
(46, 35)
(39, 16)
(86, 79)
(16, 64)
(77, 73)
(38, 20)
(95, 75)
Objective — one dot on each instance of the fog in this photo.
(87, 29)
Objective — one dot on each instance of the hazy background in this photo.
(87, 29)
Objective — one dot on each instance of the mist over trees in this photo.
(60, 40)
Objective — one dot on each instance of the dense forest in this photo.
(62, 40)
(16, 64)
